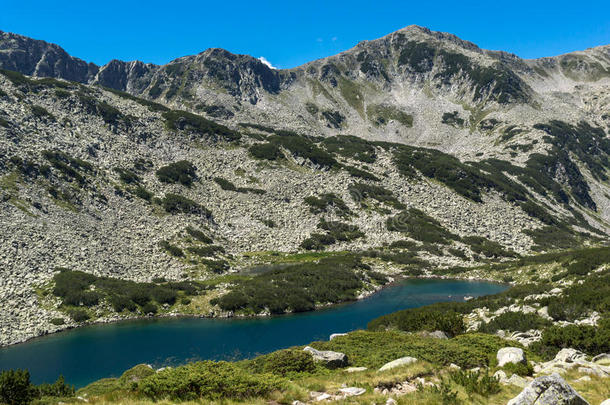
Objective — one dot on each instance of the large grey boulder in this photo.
(548, 390)
(403, 361)
(329, 358)
(570, 356)
(508, 355)
(606, 402)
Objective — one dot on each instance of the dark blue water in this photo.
(87, 354)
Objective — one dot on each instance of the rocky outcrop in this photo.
(512, 355)
(568, 359)
(329, 358)
(548, 390)
(403, 361)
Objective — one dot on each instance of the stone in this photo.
(355, 369)
(602, 358)
(517, 380)
(335, 335)
(322, 397)
(438, 334)
(329, 358)
(390, 401)
(569, 355)
(606, 402)
(454, 367)
(508, 355)
(548, 390)
(403, 361)
(352, 391)
(500, 375)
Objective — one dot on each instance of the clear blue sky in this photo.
(292, 33)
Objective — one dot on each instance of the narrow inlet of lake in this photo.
(87, 354)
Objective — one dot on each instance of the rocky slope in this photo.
(91, 178)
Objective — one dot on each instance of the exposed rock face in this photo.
(508, 355)
(329, 358)
(403, 361)
(548, 390)
(42, 59)
(568, 359)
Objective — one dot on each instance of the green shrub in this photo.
(225, 184)
(303, 147)
(15, 387)
(149, 308)
(198, 235)
(418, 225)
(327, 201)
(209, 380)
(58, 321)
(171, 249)
(127, 176)
(267, 151)
(176, 120)
(182, 172)
(142, 193)
(374, 349)
(352, 147)
(519, 369)
(78, 315)
(59, 389)
(589, 339)
(42, 113)
(515, 321)
(418, 319)
(136, 374)
(283, 362)
(361, 191)
(474, 382)
(175, 203)
(330, 280)
(204, 251)
(486, 247)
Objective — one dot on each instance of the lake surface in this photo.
(87, 354)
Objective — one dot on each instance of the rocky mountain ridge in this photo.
(215, 164)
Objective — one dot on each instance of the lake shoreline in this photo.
(363, 295)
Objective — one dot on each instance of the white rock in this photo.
(510, 355)
(355, 369)
(548, 390)
(403, 361)
(334, 335)
(352, 391)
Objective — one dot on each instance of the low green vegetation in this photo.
(335, 232)
(16, 388)
(175, 203)
(328, 202)
(453, 119)
(229, 186)
(79, 291)
(515, 322)
(176, 120)
(361, 192)
(183, 172)
(417, 225)
(332, 279)
(71, 168)
(381, 115)
(208, 380)
(429, 318)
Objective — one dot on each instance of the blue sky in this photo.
(291, 33)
